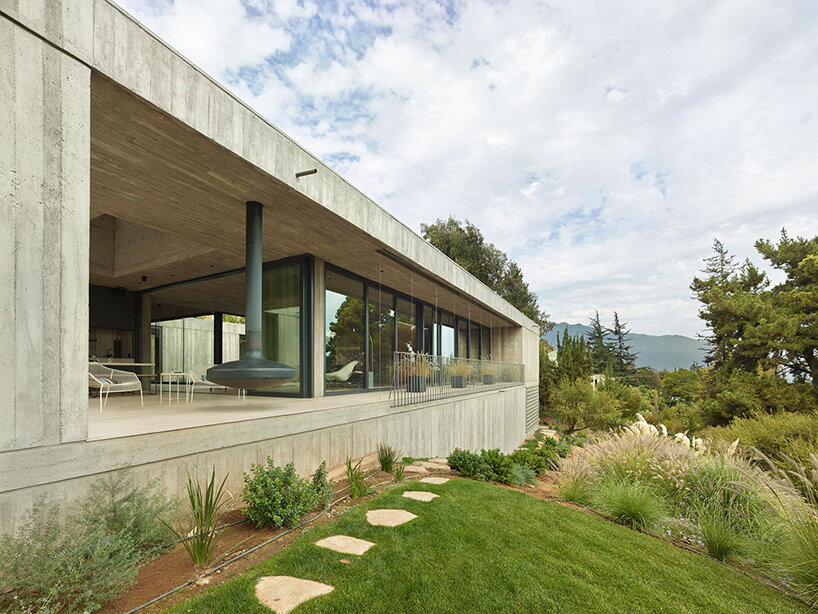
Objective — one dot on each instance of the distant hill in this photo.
(657, 351)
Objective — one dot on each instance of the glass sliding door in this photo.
(485, 343)
(407, 335)
(474, 340)
(344, 358)
(462, 338)
(381, 337)
(446, 334)
(281, 319)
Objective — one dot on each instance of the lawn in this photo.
(483, 548)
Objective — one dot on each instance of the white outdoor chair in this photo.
(343, 374)
(194, 380)
(108, 380)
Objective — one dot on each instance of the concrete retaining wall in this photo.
(63, 473)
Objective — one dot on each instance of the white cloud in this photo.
(602, 148)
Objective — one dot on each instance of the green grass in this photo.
(482, 548)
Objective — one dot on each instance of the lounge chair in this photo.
(108, 380)
(343, 374)
(194, 380)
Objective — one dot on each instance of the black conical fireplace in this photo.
(253, 372)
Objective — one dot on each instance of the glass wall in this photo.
(429, 331)
(446, 334)
(474, 341)
(344, 319)
(381, 337)
(281, 319)
(407, 335)
(485, 344)
(462, 338)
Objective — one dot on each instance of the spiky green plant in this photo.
(399, 467)
(630, 503)
(205, 510)
(358, 485)
(387, 457)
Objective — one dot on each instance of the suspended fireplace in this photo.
(253, 372)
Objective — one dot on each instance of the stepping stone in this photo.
(430, 466)
(439, 461)
(388, 518)
(282, 594)
(415, 469)
(345, 544)
(434, 480)
(419, 495)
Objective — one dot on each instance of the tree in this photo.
(574, 359)
(577, 406)
(624, 358)
(599, 345)
(465, 244)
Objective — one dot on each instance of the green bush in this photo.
(521, 475)
(791, 434)
(538, 460)
(500, 465)
(630, 503)
(358, 485)
(470, 464)
(86, 561)
(387, 457)
(322, 485)
(276, 495)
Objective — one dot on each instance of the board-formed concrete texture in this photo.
(420, 495)
(282, 594)
(345, 544)
(434, 480)
(389, 518)
(115, 146)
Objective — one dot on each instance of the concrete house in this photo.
(124, 177)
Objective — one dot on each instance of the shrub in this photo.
(358, 485)
(538, 460)
(276, 495)
(576, 405)
(774, 435)
(470, 464)
(322, 485)
(199, 537)
(387, 457)
(78, 565)
(630, 503)
(521, 475)
(500, 466)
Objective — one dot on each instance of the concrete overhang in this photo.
(174, 156)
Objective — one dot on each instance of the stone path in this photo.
(283, 594)
(419, 495)
(388, 518)
(345, 544)
(434, 480)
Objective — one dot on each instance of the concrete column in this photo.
(44, 241)
(145, 345)
(218, 337)
(319, 328)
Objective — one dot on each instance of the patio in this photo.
(123, 416)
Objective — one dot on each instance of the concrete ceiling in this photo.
(167, 205)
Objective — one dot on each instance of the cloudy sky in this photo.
(601, 144)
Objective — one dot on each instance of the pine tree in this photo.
(599, 345)
(573, 357)
(624, 358)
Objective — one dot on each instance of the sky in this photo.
(602, 145)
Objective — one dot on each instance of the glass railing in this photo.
(417, 378)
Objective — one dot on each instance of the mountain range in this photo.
(657, 351)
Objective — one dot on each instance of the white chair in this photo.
(108, 380)
(342, 374)
(194, 380)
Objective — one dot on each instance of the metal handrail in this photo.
(418, 378)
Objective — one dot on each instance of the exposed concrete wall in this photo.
(491, 419)
(530, 355)
(44, 235)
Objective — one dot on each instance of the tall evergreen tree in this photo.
(574, 359)
(624, 357)
(600, 346)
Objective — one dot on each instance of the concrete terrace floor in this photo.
(123, 416)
